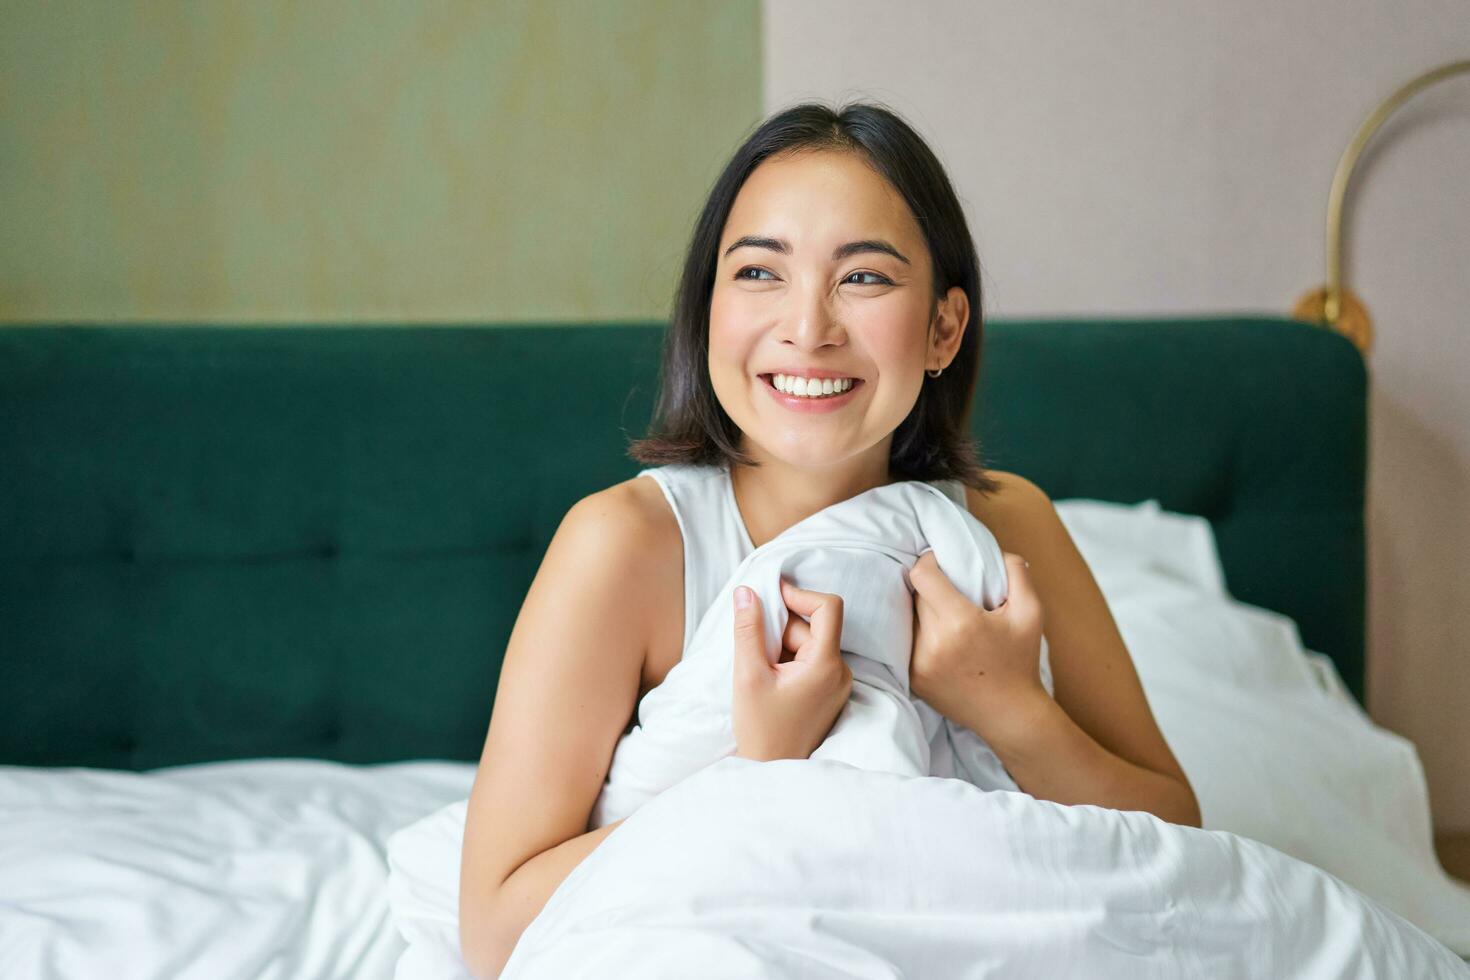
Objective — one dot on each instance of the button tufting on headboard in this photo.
(223, 622)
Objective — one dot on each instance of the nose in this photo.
(812, 324)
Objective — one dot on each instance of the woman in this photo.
(825, 341)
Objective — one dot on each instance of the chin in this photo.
(802, 451)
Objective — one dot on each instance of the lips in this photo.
(825, 403)
(770, 379)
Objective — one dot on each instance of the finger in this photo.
(798, 633)
(1021, 598)
(923, 609)
(751, 661)
(935, 588)
(803, 601)
(927, 617)
(826, 626)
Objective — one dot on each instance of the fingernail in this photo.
(742, 597)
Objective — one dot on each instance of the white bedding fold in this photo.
(860, 549)
(265, 868)
(804, 868)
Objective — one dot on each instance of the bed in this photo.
(255, 583)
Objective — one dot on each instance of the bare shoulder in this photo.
(619, 547)
(1019, 513)
(630, 523)
(637, 514)
(1025, 522)
(631, 532)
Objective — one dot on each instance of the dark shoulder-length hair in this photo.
(932, 443)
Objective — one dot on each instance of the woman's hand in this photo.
(979, 668)
(785, 710)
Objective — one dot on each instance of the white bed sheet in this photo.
(278, 868)
(261, 869)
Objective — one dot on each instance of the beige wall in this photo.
(1165, 157)
(387, 160)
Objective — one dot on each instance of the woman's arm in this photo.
(1052, 758)
(567, 688)
(1098, 741)
(520, 898)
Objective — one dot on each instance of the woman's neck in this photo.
(775, 495)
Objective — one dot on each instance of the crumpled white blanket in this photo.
(801, 868)
(818, 860)
(860, 549)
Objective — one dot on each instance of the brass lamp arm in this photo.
(1329, 302)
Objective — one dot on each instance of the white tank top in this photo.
(716, 540)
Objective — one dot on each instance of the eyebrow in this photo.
(841, 252)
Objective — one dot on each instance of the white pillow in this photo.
(1143, 535)
(1274, 745)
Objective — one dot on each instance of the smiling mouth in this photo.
(771, 382)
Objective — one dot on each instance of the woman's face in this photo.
(823, 271)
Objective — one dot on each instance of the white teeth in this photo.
(810, 387)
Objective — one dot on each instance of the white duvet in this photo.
(860, 549)
(1316, 860)
(812, 869)
(291, 868)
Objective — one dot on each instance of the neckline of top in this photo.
(744, 528)
(746, 539)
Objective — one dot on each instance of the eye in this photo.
(882, 279)
(753, 268)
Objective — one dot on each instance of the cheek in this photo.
(732, 339)
(898, 390)
(722, 321)
(893, 334)
(735, 310)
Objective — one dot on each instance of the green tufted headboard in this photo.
(228, 542)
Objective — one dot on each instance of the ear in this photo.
(951, 314)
